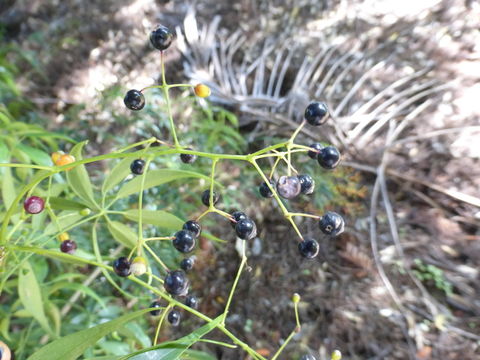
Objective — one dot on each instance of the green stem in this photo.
(140, 240)
(167, 100)
(235, 282)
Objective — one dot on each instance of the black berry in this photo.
(308, 248)
(121, 266)
(68, 246)
(316, 113)
(246, 229)
(308, 357)
(307, 184)
(187, 264)
(184, 241)
(34, 205)
(161, 37)
(331, 223)
(328, 157)
(176, 283)
(134, 100)
(206, 198)
(137, 166)
(191, 301)
(265, 190)
(174, 317)
(288, 186)
(237, 216)
(155, 304)
(188, 158)
(194, 227)
(316, 148)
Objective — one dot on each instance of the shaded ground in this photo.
(86, 48)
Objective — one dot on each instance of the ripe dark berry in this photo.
(34, 205)
(191, 301)
(206, 198)
(134, 100)
(68, 246)
(188, 158)
(237, 216)
(187, 264)
(174, 317)
(176, 283)
(246, 229)
(155, 304)
(314, 153)
(121, 266)
(316, 113)
(137, 166)
(328, 157)
(161, 37)
(307, 184)
(308, 248)
(288, 186)
(194, 227)
(184, 241)
(308, 357)
(265, 190)
(331, 223)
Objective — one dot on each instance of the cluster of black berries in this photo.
(245, 227)
(160, 38)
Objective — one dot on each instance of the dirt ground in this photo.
(365, 293)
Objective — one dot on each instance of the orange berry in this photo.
(202, 91)
(56, 155)
(64, 160)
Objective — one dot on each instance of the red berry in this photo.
(34, 205)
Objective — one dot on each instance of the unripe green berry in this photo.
(296, 298)
(85, 212)
(336, 355)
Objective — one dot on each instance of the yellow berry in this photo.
(202, 91)
(56, 155)
(139, 266)
(336, 355)
(64, 160)
(296, 298)
(64, 236)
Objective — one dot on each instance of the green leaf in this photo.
(31, 296)
(198, 355)
(79, 180)
(155, 178)
(172, 350)
(64, 220)
(122, 233)
(72, 346)
(118, 173)
(8, 188)
(156, 217)
(77, 287)
(4, 152)
(37, 156)
(65, 204)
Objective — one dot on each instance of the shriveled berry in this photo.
(34, 205)
(308, 357)
(308, 248)
(68, 246)
(139, 266)
(174, 317)
(329, 157)
(206, 198)
(155, 304)
(191, 301)
(176, 283)
(202, 90)
(331, 223)
(307, 184)
(121, 266)
(194, 227)
(137, 166)
(187, 264)
(134, 100)
(237, 216)
(161, 37)
(288, 186)
(316, 149)
(184, 241)
(316, 113)
(246, 229)
(265, 191)
(188, 158)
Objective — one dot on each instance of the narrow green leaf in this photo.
(4, 152)
(37, 156)
(156, 217)
(8, 188)
(155, 178)
(77, 287)
(118, 173)
(122, 233)
(79, 180)
(65, 204)
(72, 346)
(64, 220)
(31, 296)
